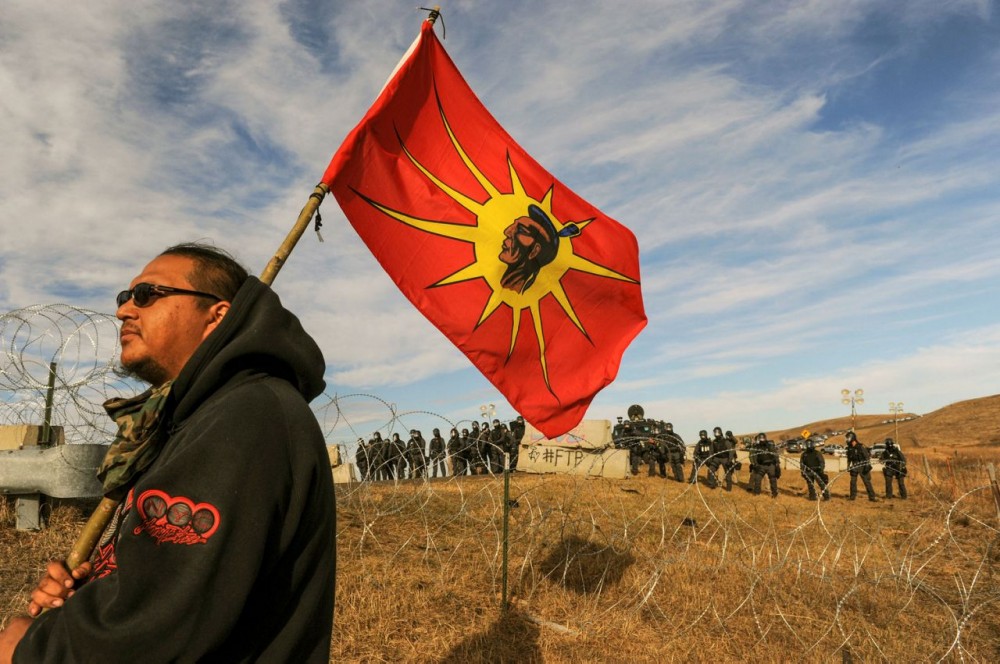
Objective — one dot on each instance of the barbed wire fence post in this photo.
(506, 531)
(994, 486)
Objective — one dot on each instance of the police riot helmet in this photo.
(761, 437)
(437, 432)
(851, 437)
(703, 434)
(635, 412)
(810, 444)
(717, 431)
(465, 432)
(668, 426)
(889, 442)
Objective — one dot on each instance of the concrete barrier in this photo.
(588, 434)
(63, 471)
(586, 450)
(16, 436)
(587, 462)
(344, 474)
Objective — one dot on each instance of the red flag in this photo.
(537, 287)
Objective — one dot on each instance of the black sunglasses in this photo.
(143, 294)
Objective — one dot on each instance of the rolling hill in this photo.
(965, 425)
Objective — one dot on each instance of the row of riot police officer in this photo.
(765, 461)
(713, 454)
(812, 465)
(650, 442)
(478, 451)
(655, 443)
(396, 459)
(481, 450)
(720, 452)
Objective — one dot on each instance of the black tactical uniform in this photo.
(859, 462)
(764, 460)
(437, 454)
(650, 446)
(510, 446)
(517, 430)
(468, 452)
(361, 459)
(812, 466)
(475, 451)
(719, 451)
(660, 450)
(379, 455)
(703, 450)
(730, 464)
(893, 467)
(498, 444)
(675, 451)
(397, 457)
(724, 455)
(454, 447)
(415, 455)
(631, 438)
(636, 451)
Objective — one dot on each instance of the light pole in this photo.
(855, 398)
(489, 413)
(895, 408)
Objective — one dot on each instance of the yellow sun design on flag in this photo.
(521, 249)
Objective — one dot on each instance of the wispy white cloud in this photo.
(769, 217)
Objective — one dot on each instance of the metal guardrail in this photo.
(62, 471)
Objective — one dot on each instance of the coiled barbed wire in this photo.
(586, 552)
(81, 347)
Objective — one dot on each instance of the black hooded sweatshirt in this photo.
(225, 547)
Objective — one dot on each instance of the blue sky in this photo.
(815, 186)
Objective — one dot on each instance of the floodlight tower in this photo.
(855, 399)
(489, 412)
(895, 408)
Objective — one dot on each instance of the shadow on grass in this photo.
(584, 566)
(512, 638)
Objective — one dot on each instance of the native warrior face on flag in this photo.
(530, 244)
(522, 249)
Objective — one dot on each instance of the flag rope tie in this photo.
(433, 15)
(318, 219)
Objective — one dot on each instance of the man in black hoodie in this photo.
(223, 547)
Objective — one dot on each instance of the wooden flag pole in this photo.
(308, 210)
(99, 520)
(91, 533)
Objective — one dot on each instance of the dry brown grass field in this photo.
(651, 570)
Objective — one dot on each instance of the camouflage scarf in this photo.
(141, 433)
